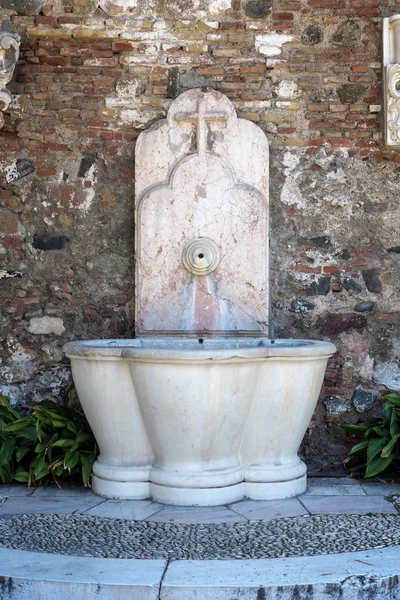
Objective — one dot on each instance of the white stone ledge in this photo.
(33, 576)
(348, 576)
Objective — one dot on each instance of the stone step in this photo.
(348, 576)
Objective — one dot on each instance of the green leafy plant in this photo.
(379, 450)
(49, 442)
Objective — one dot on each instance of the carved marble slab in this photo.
(202, 221)
(391, 80)
(9, 52)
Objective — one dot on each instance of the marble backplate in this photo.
(202, 173)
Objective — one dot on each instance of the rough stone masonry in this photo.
(92, 76)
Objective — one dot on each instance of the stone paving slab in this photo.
(31, 575)
(196, 514)
(334, 490)
(137, 510)
(52, 491)
(347, 576)
(332, 481)
(325, 495)
(45, 506)
(269, 509)
(7, 491)
(347, 505)
(381, 489)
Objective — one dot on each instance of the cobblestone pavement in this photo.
(333, 516)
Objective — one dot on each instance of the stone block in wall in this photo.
(8, 223)
(257, 9)
(388, 374)
(339, 323)
(85, 7)
(372, 280)
(364, 399)
(23, 7)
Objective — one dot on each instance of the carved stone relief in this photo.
(201, 221)
(9, 52)
(391, 80)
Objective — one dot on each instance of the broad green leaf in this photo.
(71, 459)
(29, 433)
(49, 404)
(387, 412)
(63, 443)
(394, 424)
(377, 465)
(358, 447)
(394, 399)
(6, 473)
(21, 452)
(18, 426)
(57, 417)
(72, 427)
(374, 448)
(386, 450)
(42, 473)
(22, 476)
(39, 465)
(4, 402)
(356, 429)
(87, 460)
(6, 451)
(56, 423)
(9, 414)
(38, 431)
(83, 437)
(381, 432)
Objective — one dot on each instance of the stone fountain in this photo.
(202, 408)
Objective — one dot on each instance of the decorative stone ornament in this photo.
(391, 80)
(9, 52)
(202, 221)
(201, 256)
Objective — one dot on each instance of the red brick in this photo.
(330, 269)
(282, 16)
(98, 123)
(341, 143)
(327, 3)
(121, 46)
(307, 269)
(70, 20)
(232, 25)
(43, 20)
(369, 11)
(101, 53)
(58, 61)
(286, 130)
(25, 301)
(46, 171)
(317, 107)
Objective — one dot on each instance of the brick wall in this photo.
(308, 73)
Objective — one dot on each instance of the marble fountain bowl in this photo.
(199, 421)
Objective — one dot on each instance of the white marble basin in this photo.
(199, 421)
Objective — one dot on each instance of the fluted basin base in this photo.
(199, 422)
